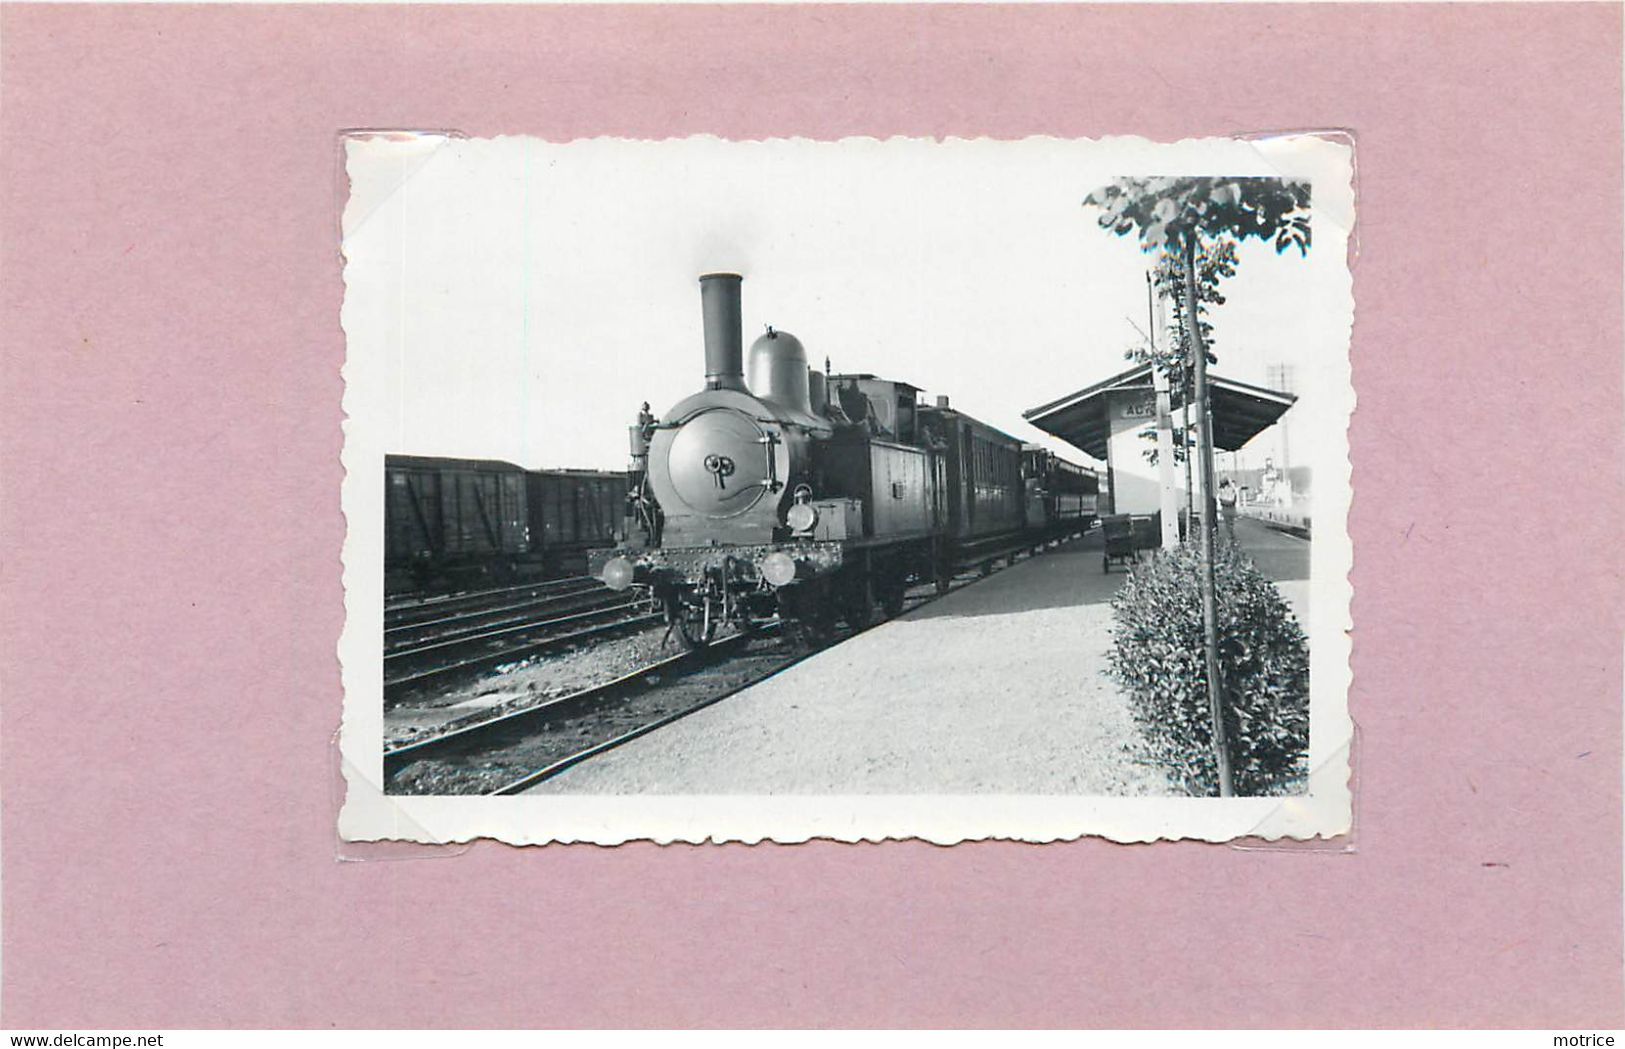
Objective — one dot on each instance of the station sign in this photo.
(1136, 407)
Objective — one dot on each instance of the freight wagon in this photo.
(455, 523)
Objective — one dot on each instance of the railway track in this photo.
(510, 617)
(408, 611)
(505, 742)
(516, 750)
(504, 626)
(687, 695)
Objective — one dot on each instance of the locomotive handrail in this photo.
(770, 442)
(788, 424)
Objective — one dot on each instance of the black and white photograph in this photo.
(772, 490)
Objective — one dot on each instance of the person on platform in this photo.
(1227, 507)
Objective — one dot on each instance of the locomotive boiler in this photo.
(779, 490)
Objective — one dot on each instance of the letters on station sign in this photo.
(1140, 408)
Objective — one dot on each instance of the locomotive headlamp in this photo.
(618, 573)
(801, 517)
(778, 568)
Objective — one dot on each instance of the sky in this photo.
(517, 299)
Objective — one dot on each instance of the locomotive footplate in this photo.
(779, 564)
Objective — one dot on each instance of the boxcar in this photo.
(571, 512)
(460, 522)
(448, 512)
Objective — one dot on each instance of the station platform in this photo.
(1283, 557)
(998, 688)
(1294, 518)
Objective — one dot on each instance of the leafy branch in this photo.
(1171, 212)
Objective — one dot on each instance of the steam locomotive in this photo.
(809, 496)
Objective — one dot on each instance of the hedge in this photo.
(1264, 662)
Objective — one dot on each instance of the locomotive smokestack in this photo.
(724, 332)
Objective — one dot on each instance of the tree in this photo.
(1180, 220)
(1214, 263)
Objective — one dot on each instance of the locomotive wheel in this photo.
(813, 633)
(856, 607)
(891, 599)
(801, 610)
(812, 623)
(690, 624)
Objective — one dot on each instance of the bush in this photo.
(1264, 661)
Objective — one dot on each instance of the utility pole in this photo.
(1187, 396)
(1281, 378)
(1169, 502)
(1204, 449)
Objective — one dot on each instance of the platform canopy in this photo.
(1082, 419)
